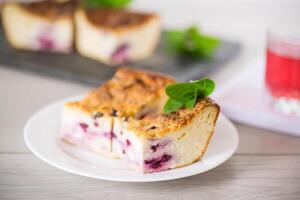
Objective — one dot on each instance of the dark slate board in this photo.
(73, 67)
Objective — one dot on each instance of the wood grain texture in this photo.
(243, 177)
(22, 94)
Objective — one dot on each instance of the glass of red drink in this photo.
(283, 66)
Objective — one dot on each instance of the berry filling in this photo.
(128, 143)
(120, 54)
(165, 158)
(46, 43)
(158, 162)
(109, 135)
(154, 147)
(158, 145)
(84, 127)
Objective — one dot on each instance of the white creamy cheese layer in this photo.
(92, 133)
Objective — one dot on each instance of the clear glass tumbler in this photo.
(282, 75)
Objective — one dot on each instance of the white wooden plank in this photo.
(22, 94)
(243, 177)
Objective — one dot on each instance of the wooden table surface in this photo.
(265, 166)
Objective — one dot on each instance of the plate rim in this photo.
(183, 174)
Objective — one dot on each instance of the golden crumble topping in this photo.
(51, 9)
(126, 94)
(117, 18)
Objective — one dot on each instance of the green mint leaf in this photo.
(106, 3)
(172, 106)
(191, 103)
(187, 94)
(181, 92)
(190, 42)
(205, 87)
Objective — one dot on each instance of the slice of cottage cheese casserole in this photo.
(123, 118)
(41, 26)
(167, 141)
(115, 36)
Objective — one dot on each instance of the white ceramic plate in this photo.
(41, 136)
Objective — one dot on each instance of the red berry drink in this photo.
(283, 67)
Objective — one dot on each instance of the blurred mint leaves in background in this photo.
(106, 3)
(190, 42)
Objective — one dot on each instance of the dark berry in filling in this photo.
(128, 143)
(120, 54)
(112, 135)
(83, 126)
(154, 147)
(96, 124)
(156, 163)
(46, 43)
(165, 158)
(148, 162)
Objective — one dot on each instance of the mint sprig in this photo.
(186, 94)
(105, 3)
(190, 42)
(172, 106)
